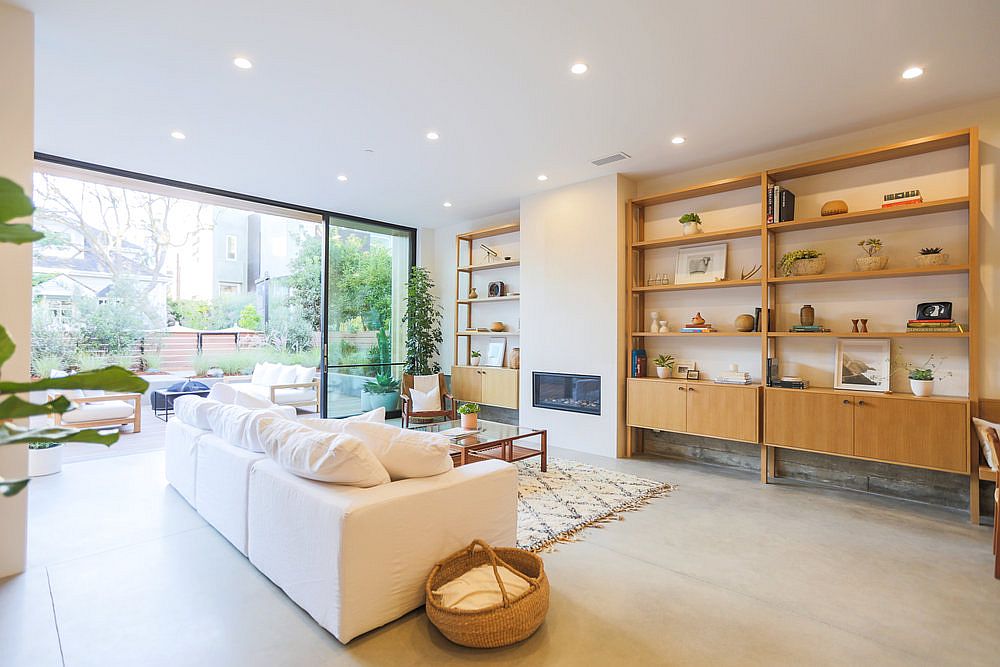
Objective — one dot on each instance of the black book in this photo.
(786, 206)
(756, 319)
(772, 371)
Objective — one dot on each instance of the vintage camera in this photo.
(496, 288)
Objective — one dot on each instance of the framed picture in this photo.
(681, 368)
(862, 364)
(495, 352)
(693, 374)
(934, 310)
(700, 264)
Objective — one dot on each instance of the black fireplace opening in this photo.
(564, 391)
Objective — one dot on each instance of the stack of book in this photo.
(902, 198)
(935, 326)
(791, 383)
(780, 204)
(813, 328)
(704, 328)
(733, 377)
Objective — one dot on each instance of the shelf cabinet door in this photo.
(723, 412)
(499, 387)
(657, 404)
(467, 383)
(928, 434)
(812, 421)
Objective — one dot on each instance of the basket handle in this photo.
(496, 561)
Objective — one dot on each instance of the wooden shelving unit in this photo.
(780, 408)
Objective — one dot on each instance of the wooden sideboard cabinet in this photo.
(697, 407)
(485, 384)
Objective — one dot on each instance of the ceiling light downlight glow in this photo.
(342, 177)
(678, 140)
(242, 63)
(579, 68)
(543, 177)
(447, 204)
(433, 136)
(177, 134)
(912, 72)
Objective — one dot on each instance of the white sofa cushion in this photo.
(266, 375)
(286, 374)
(324, 457)
(337, 425)
(989, 441)
(280, 395)
(402, 452)
(223, 392)
(252, 400)
(304, 374)
(193, 410)
(239, 426)
(182, 457)
(105, 410)
(221, 482)
(426, 401)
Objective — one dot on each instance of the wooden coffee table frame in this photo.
(503, 449)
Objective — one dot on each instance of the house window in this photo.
(61, 307)
(229, 289)
(231, 248)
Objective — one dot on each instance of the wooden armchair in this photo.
(103, 410)
(426, 383)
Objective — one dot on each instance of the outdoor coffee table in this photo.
(162, 401)
(494, 441)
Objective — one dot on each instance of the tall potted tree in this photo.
(423, 324)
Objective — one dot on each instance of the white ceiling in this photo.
(331, 78)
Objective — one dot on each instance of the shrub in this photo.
(249, 317)
(201, 365)
(43, 365)
(151, 361)
(89, 361)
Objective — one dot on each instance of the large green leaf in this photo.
(12, 487)
(113, 378)
(6, 346)
(13, 435)
(15, 408)
(13, 202)
(19, 233)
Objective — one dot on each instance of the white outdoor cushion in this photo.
(403, 452)
(426, 401)
(223, 392)
(193, 410)
(304, 374)
(259, 371)
(324, 457)
(280, 395)
(268, 374)
(92, 412)
(478, 588)
(337, 425)
(989, 440)
(286, 375)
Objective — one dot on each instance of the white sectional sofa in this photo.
(353, 558)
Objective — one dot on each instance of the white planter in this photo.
(922, 387)
(475, 361)
(662, 372)
(43, 462)
(691, 228)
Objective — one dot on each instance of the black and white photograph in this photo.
(863, 364)
(701, 264)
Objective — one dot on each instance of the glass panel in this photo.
(368, 266)
(489, 431)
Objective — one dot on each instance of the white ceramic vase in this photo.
(654, 325)
(46, 461)
(662, 372)
(691, 228)
(663, 327)
(475, 361)
(922, 387)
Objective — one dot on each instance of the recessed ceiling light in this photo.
(368, 150)
(543, 177)
(242, 63)
(678, 140)
(579, 68)
(177, 134)
(433, 136)
(447, 204)
(912, 72)
(342, 178)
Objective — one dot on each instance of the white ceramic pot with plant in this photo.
(931, 257)
(922, 381)
(872, 260)
(476, 357)
(44, 458)
(469, 414)
(806, 262)
(691, 222)
(664, 365)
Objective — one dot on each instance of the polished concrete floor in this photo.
(722, 572)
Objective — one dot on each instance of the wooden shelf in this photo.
(650, 334)
(874, 394)
(712, 188)
(510, 334)
(499, 230)
(870, 334)
(940, 206)
(715, 285)
(487, 267)
(736, 233)
(490, 299)
(868, 275)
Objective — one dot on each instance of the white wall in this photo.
(17, 140)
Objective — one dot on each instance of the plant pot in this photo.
(922, 387)
(46, 461)
(470, 420)
(662, 372)
(809, 267)
(388, 401)
(691, 228)
(876, 263)
(932, 260)
(475, 361)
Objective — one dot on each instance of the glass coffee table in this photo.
(492, 441)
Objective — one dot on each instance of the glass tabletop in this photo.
(488, 432)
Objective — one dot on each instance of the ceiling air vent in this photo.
(600, 162)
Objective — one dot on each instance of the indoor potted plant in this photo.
(470, 415)
(872, 260)
(382, 392)
(931, 257)
(422, 318)
(806, 262)
(476, 357)
(691, 222)
(664, 365)
(45, 457)
(922, 381)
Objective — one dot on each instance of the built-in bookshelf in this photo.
(790, 418)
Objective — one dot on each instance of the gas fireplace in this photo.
(563, 391)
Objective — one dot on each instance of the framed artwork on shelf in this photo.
(701, 264)
(495, 352)
(681, 368)
(862, 365)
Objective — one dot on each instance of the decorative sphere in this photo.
(834, 207)
(744, 322)
(497, 327)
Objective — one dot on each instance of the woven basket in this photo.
(503, 624)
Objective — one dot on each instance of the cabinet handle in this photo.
(690, 388)
(680, 388)
(846, 402)
(861, 402)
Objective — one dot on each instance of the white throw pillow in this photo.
(193, 410)
(337, 425)
(426, 401)
(989, 440)
(285, 374)
(258, 373)
(404, 453)
(324, 457)
(478, 588)
(248, 400)
(223, 392)
(304, 374)
(268, 374)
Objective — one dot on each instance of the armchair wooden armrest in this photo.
(103, 397)
(295, 385)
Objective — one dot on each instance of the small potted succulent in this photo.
(476, 357)
(691, 222)
(931, 257)
(872, 260)
(664, 365)
(922, 381)
(470, 415)
(44, 458)
(382, 392)
(802, 263)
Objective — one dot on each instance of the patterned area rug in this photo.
(553, 506)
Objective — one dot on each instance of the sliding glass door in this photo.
(367, 267)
